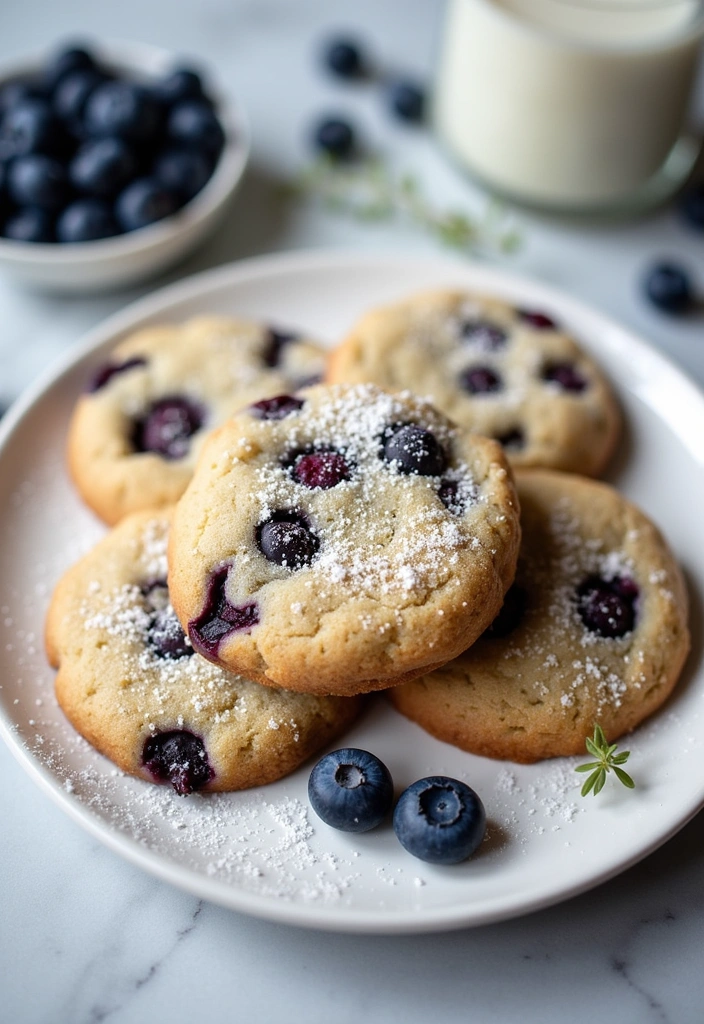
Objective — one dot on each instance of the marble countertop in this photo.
(87, 937)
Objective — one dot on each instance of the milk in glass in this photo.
(575, 103)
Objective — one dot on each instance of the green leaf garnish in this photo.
(606, 760)
(368, 190)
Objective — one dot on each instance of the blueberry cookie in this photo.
(508, 373)
(342, 540)
(132, 685)
(594, 630)
(136, 434)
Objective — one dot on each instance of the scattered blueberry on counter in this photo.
(669, 288)
(344, 57)
(406, 100)
(86, 153)
(335, 137)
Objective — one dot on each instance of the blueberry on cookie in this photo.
(508, 373)
(594, 630)
(137, 432)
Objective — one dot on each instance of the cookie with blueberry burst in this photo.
(594, 630)
(508, 372)
(131, 683)
(341, 540)
(137, 430)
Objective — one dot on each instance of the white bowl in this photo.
(123, 260)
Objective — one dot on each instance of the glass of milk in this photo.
(574, 104)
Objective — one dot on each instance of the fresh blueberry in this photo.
(167, 427)
(480, 380)
(65, 62)
(182, 84)
(565, 376)
(38, 180)
(344, 58)
(102, 167)
(274, 344)
(692, 207)
(17, 91)
(143, 202)
(71, 97)
(406, 101)
(286, 539)
(510, 614)
(351, 790)
(539, 321)
(513, 440)
(104, 374)
(276, 408)
(321, 468)
(335, 137)
(440, 820)
(123, 109)
(668, 286)
(415, 450)
(193, 124)
(608, 607)
(29, 127)
(484, 334)
(183, 172)
(86, 220)
(219, 618)
(30, 224)
(178, 757)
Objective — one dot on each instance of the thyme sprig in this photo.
(606, 760)
(368, 190)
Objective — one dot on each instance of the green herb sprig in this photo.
(607, 760)
(368, 190)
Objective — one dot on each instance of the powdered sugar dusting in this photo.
(126, 613)
(409, 544)
(603, 669)
(545, 804)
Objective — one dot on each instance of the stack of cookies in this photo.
(284, 547)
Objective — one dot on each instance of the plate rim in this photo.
(197, 287)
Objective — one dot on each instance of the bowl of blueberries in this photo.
(116, 160)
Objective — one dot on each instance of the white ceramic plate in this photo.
(263, 851)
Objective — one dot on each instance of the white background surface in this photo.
(85, 936)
